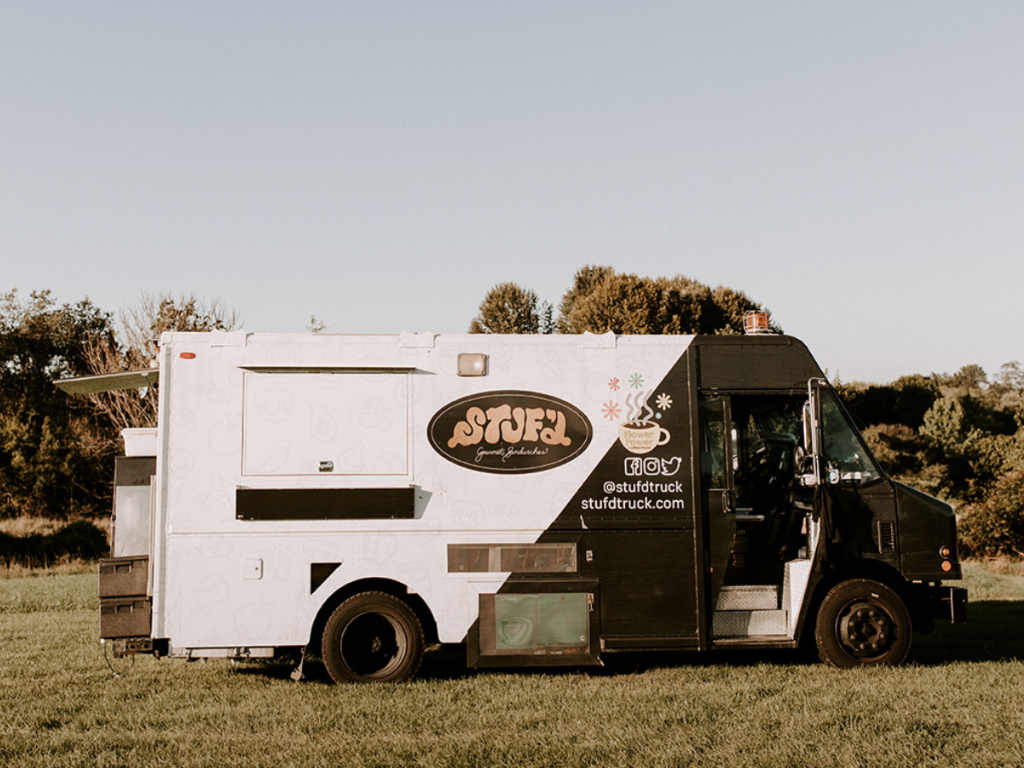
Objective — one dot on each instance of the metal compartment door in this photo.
(536, 623)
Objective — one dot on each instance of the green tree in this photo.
(957, 436)
(1007, 390)
(602, 300)
(508, 308)
(584, 282)
(55, 455)
(135, 347)
(1011, 376)
(947, 426)
(905, 401)
(969, 378)
(906, 456)
(617, 303)
(995, 526)
(683, 306)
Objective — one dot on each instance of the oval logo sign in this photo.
(509, 432)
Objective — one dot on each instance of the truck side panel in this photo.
(350, 417)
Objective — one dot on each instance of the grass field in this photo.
(957, 703)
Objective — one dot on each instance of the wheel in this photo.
(863, 623)
(373, 638)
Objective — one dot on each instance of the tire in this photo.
(863, 623)
(373, 637)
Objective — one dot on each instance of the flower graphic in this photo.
(614, 384)
(636, 381)
(611, 410)
(664, 401)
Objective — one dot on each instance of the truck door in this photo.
(717, 487)
(750, 444)
(857, 502)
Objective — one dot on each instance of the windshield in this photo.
(844, 450)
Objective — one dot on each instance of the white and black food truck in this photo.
(543, 499)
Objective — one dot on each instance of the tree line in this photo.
(601, 299)
(957, 436)
(57, 452)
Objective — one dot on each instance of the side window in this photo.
(712, 444)
(843, 448)
(769, 434)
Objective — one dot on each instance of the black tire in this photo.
(863, 623)
(373, 637)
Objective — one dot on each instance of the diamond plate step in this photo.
(749, 623)
(746, 597)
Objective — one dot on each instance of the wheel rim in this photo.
(373, 645)
(866, 630)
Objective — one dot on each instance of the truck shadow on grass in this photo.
(994, 632)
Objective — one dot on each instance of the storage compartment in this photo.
(132, 505)
(124, 576)
(541, 623)
(139, 442)
(125, 617)
(536, 623)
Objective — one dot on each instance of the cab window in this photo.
(843, 449)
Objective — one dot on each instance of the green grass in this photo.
(956, 703)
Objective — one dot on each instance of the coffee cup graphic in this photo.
(642, 436)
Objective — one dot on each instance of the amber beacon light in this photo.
(755, 321)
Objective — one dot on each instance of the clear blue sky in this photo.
(856, 167)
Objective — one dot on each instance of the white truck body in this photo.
(265, 412)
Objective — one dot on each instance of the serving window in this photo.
(322, 423)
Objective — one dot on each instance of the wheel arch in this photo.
(855, 569)
(863, 622)
(388, 586)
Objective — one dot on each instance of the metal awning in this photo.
(109, 382)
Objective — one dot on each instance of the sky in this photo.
(857, 168)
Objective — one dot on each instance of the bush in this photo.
(905, 401)
(80, 540)
(996, 526)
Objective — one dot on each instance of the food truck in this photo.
(542, 499)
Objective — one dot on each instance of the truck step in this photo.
(749, 610)
(749, 623)
(748, 597)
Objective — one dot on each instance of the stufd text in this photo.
(511, 425)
